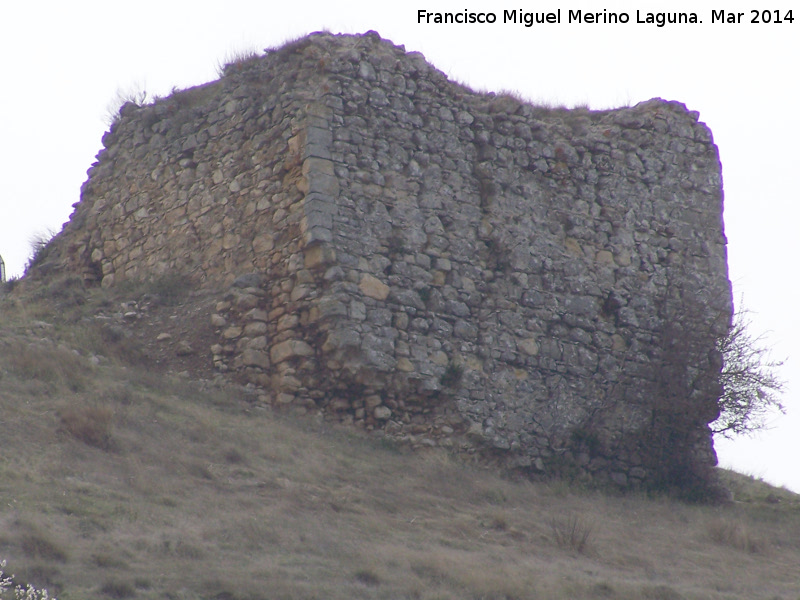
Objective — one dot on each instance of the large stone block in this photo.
(255, 358)
(290, 349)
(373, 287)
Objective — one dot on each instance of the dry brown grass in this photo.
(207, 495)
(573, 533)
(89, 423)
(42, 361)
(37, 544)
(734, 534)
(237, 60)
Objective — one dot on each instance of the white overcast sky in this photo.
(63, 62)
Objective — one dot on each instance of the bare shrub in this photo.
(713, 372)
(682, 398)
(750, 386)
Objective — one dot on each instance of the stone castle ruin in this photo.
(396, 249)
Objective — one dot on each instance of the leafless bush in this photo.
(750, 386)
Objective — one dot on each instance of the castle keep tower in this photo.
(425, 259)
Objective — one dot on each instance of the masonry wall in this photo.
(430, 261)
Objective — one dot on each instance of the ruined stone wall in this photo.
(431, 261)
(199, 182)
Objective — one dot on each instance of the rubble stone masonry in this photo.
(396, 249)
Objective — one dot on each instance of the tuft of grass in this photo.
(172, 288)
(498, 521)
(234, 456)
(237, 60)
(41, 245)
(452, 375)
(573, 533)
(89, 423)
(495, 496)
(506, 101)
(115, 588)
(37, 544)
(57, 366)
(106, 560)
(755, 491)
(10, 285)
(367, 577)
(116, 342)
(603, 589)
(734, 534)
(661, 592)
(69, 293)
(135, 94)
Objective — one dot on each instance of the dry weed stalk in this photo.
(573, 533)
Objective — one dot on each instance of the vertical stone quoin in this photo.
(543, 286)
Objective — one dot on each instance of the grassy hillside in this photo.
(127, 471)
